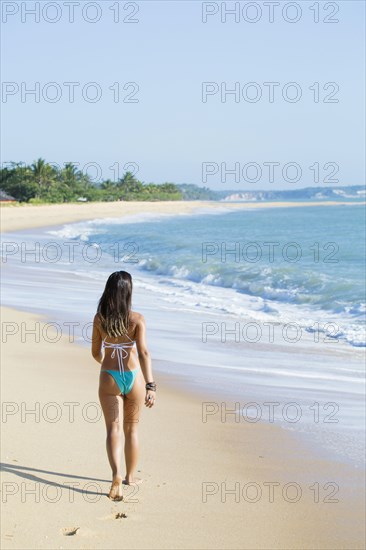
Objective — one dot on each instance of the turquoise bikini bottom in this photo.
(124, 381)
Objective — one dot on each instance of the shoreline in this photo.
(262, 354)
(18, 217)
(179, 452)
(170, 502)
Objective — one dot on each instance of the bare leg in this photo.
(132, 404)
(112, 406)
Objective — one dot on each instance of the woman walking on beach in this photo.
(122, 334)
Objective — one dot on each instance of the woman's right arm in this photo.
(144, 356)
(143, 352)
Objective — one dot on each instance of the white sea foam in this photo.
(83, 230)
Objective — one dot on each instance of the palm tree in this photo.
(69, 174)
(108, 185)
(43, 174)
(129, 184)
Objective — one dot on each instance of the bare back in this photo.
(131, 361)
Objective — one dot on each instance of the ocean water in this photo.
(266, 305)
(303, 265)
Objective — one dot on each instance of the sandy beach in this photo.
(55, 473)
(14, 218)
(219, 485)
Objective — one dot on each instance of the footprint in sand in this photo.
(114, 515)
(69, 532)
(120, 515)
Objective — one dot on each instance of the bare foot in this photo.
(116, 489)
(132, 481)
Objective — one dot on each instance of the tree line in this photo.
(42, 182)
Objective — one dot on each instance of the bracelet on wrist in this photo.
(151, 386)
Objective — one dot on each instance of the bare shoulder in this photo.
(136, 321)
(136, 318)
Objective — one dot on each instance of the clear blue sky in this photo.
(169, 52)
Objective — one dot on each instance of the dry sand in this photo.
(17, 217)
(56, 475)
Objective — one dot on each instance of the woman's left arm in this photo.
(96, 347)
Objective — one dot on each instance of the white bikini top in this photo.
(121, 350)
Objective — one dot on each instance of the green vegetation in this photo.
(42, 182)
(193, 192)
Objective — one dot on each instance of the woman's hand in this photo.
(150, 398)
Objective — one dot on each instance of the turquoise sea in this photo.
(305, 265)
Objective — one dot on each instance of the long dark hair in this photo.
(115, 304)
